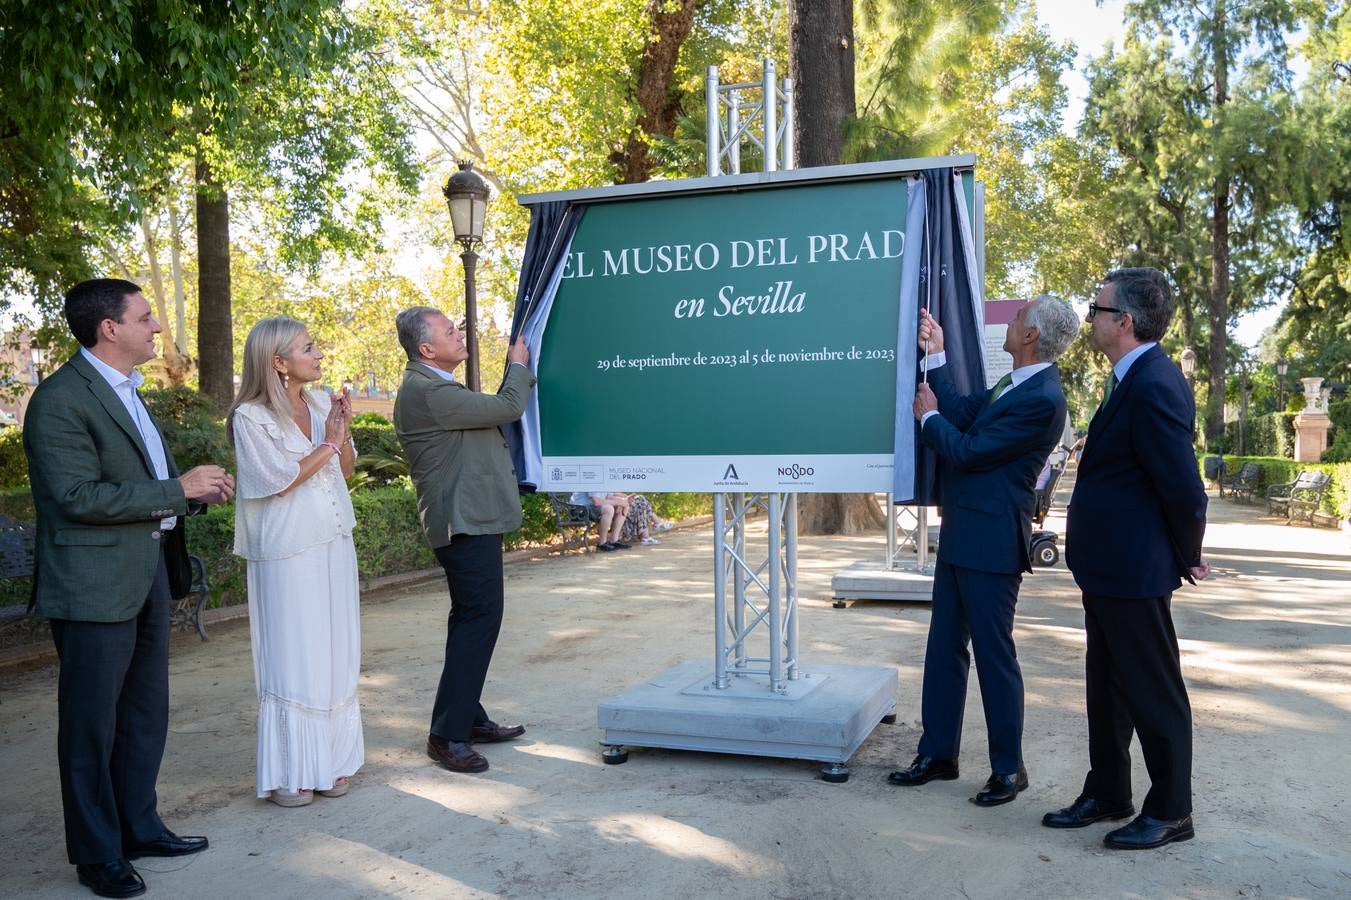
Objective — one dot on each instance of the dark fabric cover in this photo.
(945, 290)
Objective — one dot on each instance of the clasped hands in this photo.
(337, 427)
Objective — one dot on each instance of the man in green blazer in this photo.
(467, 499)
(109, 553)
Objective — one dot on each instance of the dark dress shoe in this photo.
(492, 733)
(1145, 833)
(167, 844)
(113, 879)
(923, 770)
(1001, 789)
(457, 756)
(1086, 811)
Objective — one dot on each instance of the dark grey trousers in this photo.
(473, 566)
(113, 717)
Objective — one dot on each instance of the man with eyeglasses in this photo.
(992, 445)
(1136, 522)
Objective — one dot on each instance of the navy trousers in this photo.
(973, 608)
(1134, 683)
(113, 717)
(473, 566)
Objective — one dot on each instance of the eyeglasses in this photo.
(1094, 309)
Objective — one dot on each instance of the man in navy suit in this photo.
(1136, 521)
(992, 444)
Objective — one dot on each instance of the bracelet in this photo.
(336, 450)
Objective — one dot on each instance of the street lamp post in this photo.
(467, 198)
(1244, 387)
(1282, 366)
(1188, 363)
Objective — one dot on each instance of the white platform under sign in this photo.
(823, 715)
(873, 581)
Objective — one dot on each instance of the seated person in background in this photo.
(642, 520)
(611, 511)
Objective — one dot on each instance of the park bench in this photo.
(18, 624)
(1242, 485)
(1299, 499)
(574, 522)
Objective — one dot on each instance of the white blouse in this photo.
(267, 456)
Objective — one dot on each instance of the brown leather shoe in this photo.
(492, 733)
(455, 755)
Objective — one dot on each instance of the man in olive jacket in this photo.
(109, 553)
(467, 499)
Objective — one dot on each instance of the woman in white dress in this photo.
(293, 523)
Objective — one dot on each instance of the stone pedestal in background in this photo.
(1312, 423)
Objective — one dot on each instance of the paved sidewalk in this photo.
(1267, 654)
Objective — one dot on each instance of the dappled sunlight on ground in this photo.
(564, 752)
(680, 841)
(1266, 647)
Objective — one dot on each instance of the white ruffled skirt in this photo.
(305, 624)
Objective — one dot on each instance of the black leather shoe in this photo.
(1001, 789)
(1145, 833)
(923, 770)
(457, 756)
(114, 879)
(492, 733)
(167, 844)
(1086, 811)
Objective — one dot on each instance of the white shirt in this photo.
(450, 376)
(1017, 377)
(124, 386)
(268, 452)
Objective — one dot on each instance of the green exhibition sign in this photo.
(727, 340)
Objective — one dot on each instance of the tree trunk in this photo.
(175, 368)
(176, 267)
(670, 27)
(1219, 241)
(215, 338)
(822, 58)
(839, 513)
(822, 50)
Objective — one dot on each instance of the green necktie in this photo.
(1000, 387)
(1106, 392)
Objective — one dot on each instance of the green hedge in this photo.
(1337, 498)
(192, 429)
(1339, 437)
(13, 463)
(380, 459)
(388, 536)
(1270, 435)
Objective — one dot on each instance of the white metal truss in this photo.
(905, 548)
(763, 593)
(759, 113)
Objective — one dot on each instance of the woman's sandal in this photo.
(291, 798)
(340, 787)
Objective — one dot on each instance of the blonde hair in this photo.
(261, 383)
